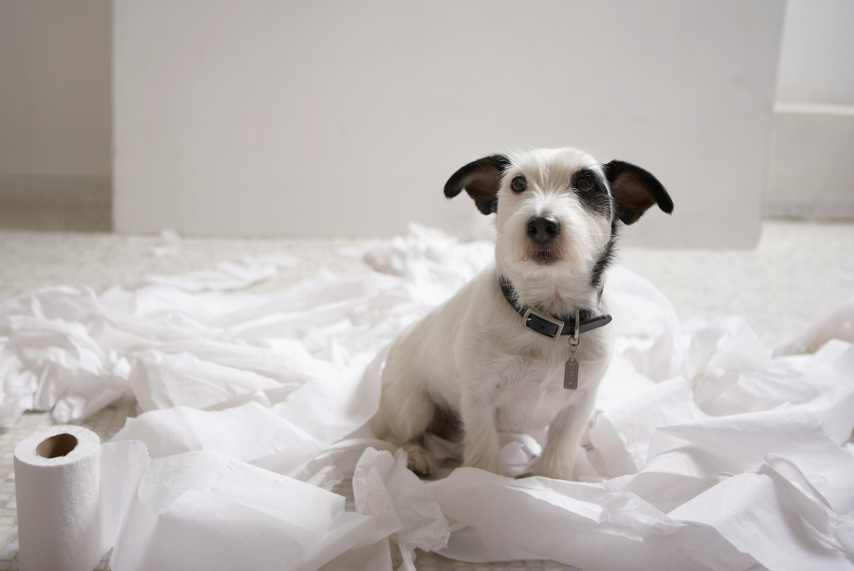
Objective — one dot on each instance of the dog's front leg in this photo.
(564, 438)
(480, 437)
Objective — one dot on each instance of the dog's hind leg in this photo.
(404, 415)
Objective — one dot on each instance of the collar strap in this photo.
(548, 325)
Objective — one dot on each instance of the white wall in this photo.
(54, 88)
(811, 171)
(346, 118)
(817, 57)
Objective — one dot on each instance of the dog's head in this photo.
(557, 215)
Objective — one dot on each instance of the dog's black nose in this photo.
(543, 229)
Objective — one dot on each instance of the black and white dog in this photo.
(521, 348)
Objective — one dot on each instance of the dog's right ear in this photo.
(481, 179)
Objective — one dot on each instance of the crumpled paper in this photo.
(403, 504)
(227, 276)
(708, 450)
(250, 432)
(838, 324)
(206, 511)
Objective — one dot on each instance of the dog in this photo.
(522, 347)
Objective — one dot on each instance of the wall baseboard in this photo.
(56, 202)
(810, 171)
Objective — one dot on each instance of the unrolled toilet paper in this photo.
(72, 495)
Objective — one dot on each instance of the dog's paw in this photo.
(419, 459)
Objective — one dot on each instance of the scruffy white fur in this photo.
(473, 356)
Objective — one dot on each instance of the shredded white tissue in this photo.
(838, 324)
(228, 275)
(211, 512)
(404, 505)
(168, 244)
(707, 450)
(251, 432)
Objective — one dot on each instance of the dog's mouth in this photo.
(543, 256)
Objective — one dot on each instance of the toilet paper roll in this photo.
(58, 489)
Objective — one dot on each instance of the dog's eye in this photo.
(518, 184)
(584, 181)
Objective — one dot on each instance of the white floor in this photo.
(798, 272)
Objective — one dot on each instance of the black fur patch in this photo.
(605, 258)
(634, 190)
(446, 423)
(591, 191)
(481, 179)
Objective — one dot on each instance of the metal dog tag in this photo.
(571, 372)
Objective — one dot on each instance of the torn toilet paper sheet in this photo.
(404, 505)
(249, 432)
(228, 275)
(700, 430)
(206, 511)
(839, 324)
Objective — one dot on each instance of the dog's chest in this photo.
(531, 393)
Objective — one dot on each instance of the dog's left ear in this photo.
(635, 190)
(481, 179)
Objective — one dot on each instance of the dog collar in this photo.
(548, 325)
